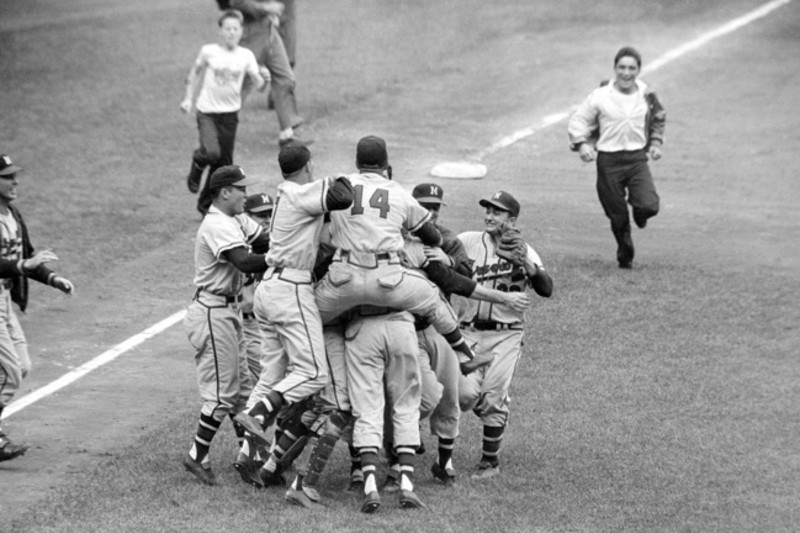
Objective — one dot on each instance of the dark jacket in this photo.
(11, 269)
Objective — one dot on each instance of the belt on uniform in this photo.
(228, 298)
(292, 275)
(491, 325)
(248, 316)
(365, 259)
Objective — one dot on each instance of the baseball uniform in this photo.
(213, 324)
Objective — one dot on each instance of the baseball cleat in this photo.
(295, 140)
(626, 265)
(204, 475)
(445, 475)
(410, 500)
(300, 498)
(253, 427)
(371, 502)
(248, 469)
(9, 450)
(485, 470)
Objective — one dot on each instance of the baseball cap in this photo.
(293, 157)
(502, 200)
(229, 175)
(258, 203)
(428, 193)
(371, 153)
(7, 167)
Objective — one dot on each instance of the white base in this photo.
(459, 170)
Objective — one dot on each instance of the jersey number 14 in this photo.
(379, 200)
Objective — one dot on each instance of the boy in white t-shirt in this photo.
(214, 87)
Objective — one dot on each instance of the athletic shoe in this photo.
(193, 178)
(312, 494)
(294, 140)
(627, 265)
(299, 497)
(252, 426)
(371, 502)
(485, 470)
(641, 222)
(445, 475)
(9, 450)
(392, 482)
(410, 500)
(205, 475)
(248, 469)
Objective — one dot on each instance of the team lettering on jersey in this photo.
(508, 277)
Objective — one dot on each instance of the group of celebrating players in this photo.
(343, 310)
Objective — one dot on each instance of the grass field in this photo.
(662, 399)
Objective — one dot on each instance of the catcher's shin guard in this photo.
(337, 421)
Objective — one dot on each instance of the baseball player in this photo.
(18, 262)
(213, 319)
(216, 80)
(367, 268)
(620, 124)
(259, 208)
(378, 343)
(284, 300)
(496, 330)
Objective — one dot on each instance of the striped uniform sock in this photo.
(445, 450)
(206, 429)
(492, 439)
(405, 458)
(369, 465)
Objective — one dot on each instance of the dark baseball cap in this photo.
(258, 203)
(502, 200)
(428, 193)
(371, 153)
(293, 157)
(7, 167)
(229, 175)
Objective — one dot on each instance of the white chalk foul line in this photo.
(97, 362)
(546, 122)
(673, 54)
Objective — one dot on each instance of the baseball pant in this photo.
(436, 353)
(379, 348)
(251, 333)
(385, 284)
(486, 391)
(292, 336)
(266, 43)
(14, 360)
(215, 332)
(217, 138)
(625, 177)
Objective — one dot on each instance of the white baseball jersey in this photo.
(219, 233)
(296, 224)
(225, 69)
(494, 272)
(380, 208)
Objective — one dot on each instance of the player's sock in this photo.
(405, 459)
(369, 465)
(267, 407)
(237, 429)
(271, 465)
(445, 450)
(492, 439)
(206, 429)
